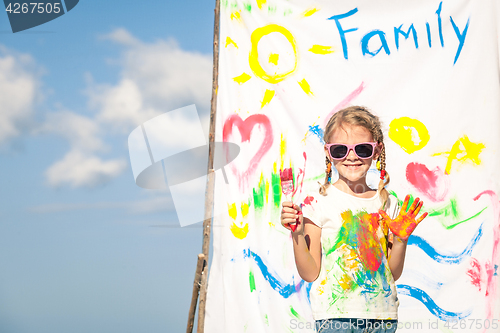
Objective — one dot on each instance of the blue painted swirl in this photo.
(429, 303)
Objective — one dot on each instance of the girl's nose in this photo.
(351, 154)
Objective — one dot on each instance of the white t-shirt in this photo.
(354, 280)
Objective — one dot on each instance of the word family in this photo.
(342, 20)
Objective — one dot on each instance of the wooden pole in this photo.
(196, 289)
(209, 195)
(206, 240)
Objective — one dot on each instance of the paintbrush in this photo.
(287, 187)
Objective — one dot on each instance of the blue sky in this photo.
(82, 248)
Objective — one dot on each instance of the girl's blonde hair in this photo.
(358, 116)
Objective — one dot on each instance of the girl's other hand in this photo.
(405, 223)
(292, 214)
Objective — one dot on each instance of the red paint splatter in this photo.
(300, 176)
(432, 183)
(308, 200)
(475, 273)
(246, 127)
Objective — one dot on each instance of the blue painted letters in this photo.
(366, 39)
(341, 30)
(398, 31)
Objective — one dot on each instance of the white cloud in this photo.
(78, 169)
(155, 78)
(83, 133)
(19, 92)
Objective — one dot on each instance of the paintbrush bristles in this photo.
(286, 176)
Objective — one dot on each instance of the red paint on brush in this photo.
(475, 273)
(432, 183)
(287, 187)
(300, 176)
(286, 176)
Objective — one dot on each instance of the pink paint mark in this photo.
(433, 183)
(489, 273)
(300, 175)
(475, 273)
(246, 127)
(345, 102)
(490, 268)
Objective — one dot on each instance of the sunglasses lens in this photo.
(364, 150)
(338, 151)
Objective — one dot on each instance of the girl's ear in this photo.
(326, 153)
(378, 150)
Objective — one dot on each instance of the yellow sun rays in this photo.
(285, 69)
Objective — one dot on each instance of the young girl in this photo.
(341, 242)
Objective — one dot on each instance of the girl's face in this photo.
(351, 168)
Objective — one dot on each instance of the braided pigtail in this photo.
(384, 178)
(328, 177)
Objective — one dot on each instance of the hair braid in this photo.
(328, 176)
(383, 180)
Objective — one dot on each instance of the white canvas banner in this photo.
(430, 70)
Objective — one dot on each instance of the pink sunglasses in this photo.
(339, 151)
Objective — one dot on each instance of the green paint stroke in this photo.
(227, 3)
(247, 6)
(276, 189)
(271, 9)
(251, 279)
(318, 178)
(450, 210)
(259, 195)
(266, 320)
(467, 219)
(295, 313)
(287, 12)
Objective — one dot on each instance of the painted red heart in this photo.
(431, 183)
(245, 127)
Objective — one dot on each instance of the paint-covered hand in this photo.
(404, 224)
(291, 217)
